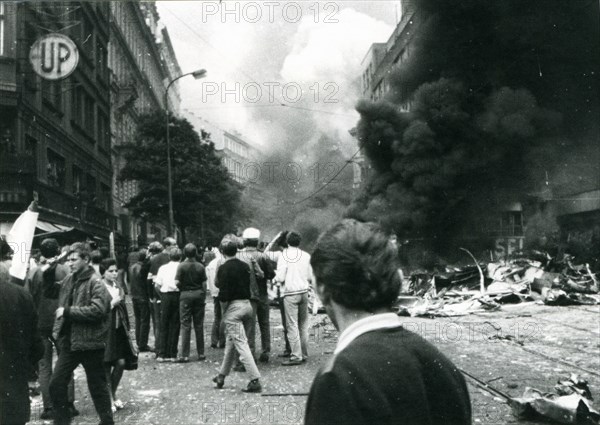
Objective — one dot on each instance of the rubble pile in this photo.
(571, 404)
(483, 287)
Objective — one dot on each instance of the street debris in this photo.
(464, 290)
(571, 405)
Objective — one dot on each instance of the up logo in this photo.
(54, 56)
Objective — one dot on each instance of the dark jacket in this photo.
(88, 314)
(45, 306)
(389, 376)
(263, 270)
(20, 347)
(191, 276)
(119, 322)
(138, 287)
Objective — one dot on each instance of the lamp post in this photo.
(200, 73)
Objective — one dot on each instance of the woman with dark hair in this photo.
(120, 353)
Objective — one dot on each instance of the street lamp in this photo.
(200, 73)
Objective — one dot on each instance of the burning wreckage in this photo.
(534, 278)
(537, 278)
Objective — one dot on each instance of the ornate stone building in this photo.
(55, 135)
(141, 62)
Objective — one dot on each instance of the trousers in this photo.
(191, 309)
(237, 314)
(92, 362)
(296, 317)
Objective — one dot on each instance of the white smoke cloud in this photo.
(322, 58)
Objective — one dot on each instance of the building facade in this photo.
(141, 63)
(383, 59)
(244, 160)
(55, 134)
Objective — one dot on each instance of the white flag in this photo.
(20, 239)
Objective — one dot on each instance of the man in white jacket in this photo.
(295, 274)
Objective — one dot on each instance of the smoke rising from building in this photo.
(503, 93)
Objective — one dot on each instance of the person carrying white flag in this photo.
(20, 239)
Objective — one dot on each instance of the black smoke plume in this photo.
(503, 94)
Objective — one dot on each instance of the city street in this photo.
(523, 345)
(164, 154)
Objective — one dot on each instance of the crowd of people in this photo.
(79, 297)
(73, 302)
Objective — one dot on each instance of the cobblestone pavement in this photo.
(526, 345)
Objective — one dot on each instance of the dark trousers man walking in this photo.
(169, 326)
(92, 362)
(141, 311)
(191, 308)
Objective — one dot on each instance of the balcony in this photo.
(17, 183)
(77, 211)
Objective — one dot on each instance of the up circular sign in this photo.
(54, 56)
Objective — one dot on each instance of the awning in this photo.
(48, 228)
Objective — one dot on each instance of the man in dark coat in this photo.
(81, 329)
(20, 347)
(47, 276)
(138, 289)
(379, 373)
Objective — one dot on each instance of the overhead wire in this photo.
(282, 104)
(328, 182)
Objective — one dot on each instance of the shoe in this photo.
(201, 357)
(239, 368)
(213, 345)
(264, 358)
(182, 360)
(119, 404)
(219, 380)
(73, 411)
(161, 359)
(292, 362)
(253, 387)
(47, 414)
(145, 349)
(284, 354)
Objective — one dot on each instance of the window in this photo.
(512, 223)
(31, 149)
(55, 170)
(83, 110)
(103, 131)
(2, 27)
(105, 197)
(77, 183)
(91, 188)
(88, 114)
(7, 140)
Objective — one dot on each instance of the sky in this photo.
(258, 55)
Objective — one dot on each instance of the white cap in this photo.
(251, 233)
